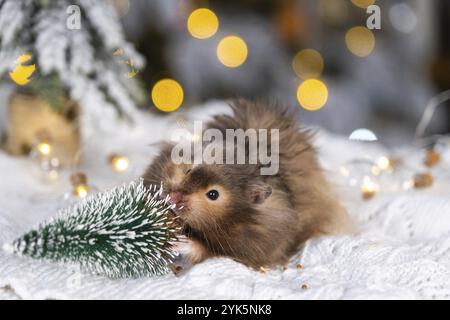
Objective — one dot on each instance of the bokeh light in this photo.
(21, 74)
(232, 51)
(308, 64)
(363, 134)
(167, 95)
(44, 148)
(403, 17)
(119, 163)
(202, 23)
(384, 163)
(312, 94)
(81, 191)
(369, 188)
(360, 41)
(363, 3)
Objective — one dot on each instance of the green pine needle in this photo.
(126, 232)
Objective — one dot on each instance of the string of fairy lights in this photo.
(391, 174)
(49, 166)
(418, 167)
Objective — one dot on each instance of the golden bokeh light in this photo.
(369, 188)
(232, 51)
(167, 95)
(312, 94)
(360, 41)
(21, 74)
(384, 163)
(81, 191)
(344, 171)
(308, 64)
(44, 148)
(119, 163)
(202, 23)
(363, 3)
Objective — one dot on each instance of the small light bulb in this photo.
(369, 188)
(384, 163)
(344, 171)
(120, 163)
(408, 184)
(81, 191)
(44, 148)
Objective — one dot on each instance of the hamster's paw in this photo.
(189, 253)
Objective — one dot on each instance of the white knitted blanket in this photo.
(401, 251)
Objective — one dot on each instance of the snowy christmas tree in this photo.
(78, 48)
(126, 232)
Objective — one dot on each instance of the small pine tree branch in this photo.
(125, 232)
(80, 58)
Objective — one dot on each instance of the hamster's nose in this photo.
(176, 197)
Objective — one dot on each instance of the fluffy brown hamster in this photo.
(232, 210)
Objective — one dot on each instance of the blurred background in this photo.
(344, 64)
(380, 79)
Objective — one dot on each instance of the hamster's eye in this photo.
(213, 194)
(188, 171)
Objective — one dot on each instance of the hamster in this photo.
(232, 210)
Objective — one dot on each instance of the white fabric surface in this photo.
(401, 251)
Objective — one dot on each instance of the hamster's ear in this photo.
(259, 192)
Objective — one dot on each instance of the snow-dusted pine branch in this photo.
(125, 232)
(82, 58)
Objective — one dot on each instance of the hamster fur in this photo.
(257, 220)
